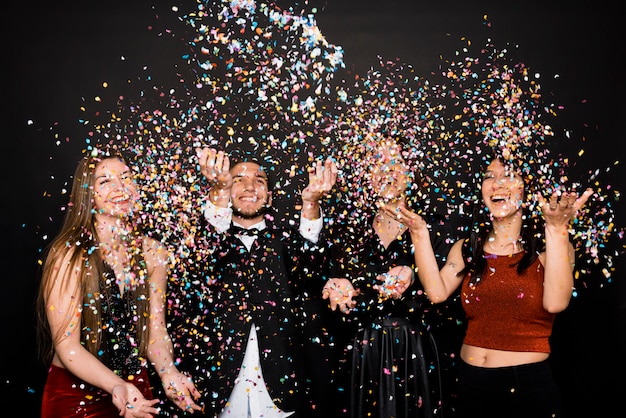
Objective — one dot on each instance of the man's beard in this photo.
(251, 215)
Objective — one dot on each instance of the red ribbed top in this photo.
(505, 310)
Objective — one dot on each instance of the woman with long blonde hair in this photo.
(101, 303)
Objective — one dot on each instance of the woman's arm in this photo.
(438, 284)
(558, 259)
(178, 387)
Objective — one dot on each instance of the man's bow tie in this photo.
(237, 230)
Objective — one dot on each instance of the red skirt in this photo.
(64, 395)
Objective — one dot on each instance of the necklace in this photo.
(516, 246)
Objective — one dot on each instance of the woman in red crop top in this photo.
(516, 272)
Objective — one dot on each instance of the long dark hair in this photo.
(531, 234)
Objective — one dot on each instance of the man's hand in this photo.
(322, 179)
(340, 294)
(215, 166)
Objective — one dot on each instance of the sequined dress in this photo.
(67, 396)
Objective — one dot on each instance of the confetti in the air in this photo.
(263, 80)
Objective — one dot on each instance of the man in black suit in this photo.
(236, 325)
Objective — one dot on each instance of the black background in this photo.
(56, 56)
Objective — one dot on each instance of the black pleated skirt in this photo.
(395, 372)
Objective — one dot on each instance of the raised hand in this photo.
(215, 166)
(322, 179)
(405, 216)
(560, 208)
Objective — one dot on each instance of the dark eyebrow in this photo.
(260, 173)
(257, 174)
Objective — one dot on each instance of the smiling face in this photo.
(250, 195)
(502, 189)
(115, 191)
(389, 173)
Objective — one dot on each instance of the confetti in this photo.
(259, 79)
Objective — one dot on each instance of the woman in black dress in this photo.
(394, 370)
